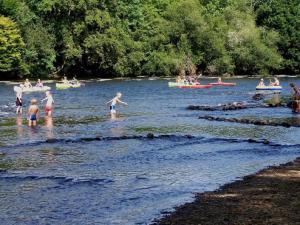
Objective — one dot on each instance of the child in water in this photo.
(32, 112)
(49, 104)
(113, 104)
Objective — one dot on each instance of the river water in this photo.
(133, 180)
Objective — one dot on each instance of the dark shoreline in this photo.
(270, 196)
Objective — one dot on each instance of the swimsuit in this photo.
(32, 117)
(112, 108)
(48, 109)
(18, 102)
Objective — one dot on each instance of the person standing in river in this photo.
(116, 100)
(19, 103)
(296, 98)
(49, 104)
(32, 113)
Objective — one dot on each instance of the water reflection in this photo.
(19, 123)
(33, 132)
(49, 127)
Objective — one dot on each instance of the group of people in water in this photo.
(33, 109)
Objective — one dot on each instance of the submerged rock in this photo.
(150, 135)
(251, 121)
(225, 107)
(258, 97)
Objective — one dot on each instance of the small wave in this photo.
(3, 113)
(59, 179)
(150, 136)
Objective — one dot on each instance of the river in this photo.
(84, 174)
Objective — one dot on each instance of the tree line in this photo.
(115, 38)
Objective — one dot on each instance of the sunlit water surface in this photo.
(129, 181)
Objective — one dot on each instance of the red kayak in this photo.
(222, 84)
(195, 86)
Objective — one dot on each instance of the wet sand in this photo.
(271, 196)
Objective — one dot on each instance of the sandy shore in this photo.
(271, 196)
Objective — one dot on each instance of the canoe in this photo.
(32, 89)
(197, 86)
(268, 88)
(65, 86)
(222, 84)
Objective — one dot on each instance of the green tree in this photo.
(11, 46)
(284, 17)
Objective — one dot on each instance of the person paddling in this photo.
(49, 104)
(65, 80)
(261, 83)
(116, 100)
(27, 84)
(39, 83)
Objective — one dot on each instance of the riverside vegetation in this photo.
(46, 38)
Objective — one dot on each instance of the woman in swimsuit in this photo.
(19, 103)
(33, 113)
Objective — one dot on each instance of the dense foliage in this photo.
(11, 46)
(149, 37)
(284, 17)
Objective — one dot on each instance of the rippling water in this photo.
(77, 180)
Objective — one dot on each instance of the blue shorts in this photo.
(112, 108)
(32, 117)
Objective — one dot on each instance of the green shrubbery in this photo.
(149, 37)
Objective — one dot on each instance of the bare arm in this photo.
(44, 99)
(109, 101)
(119, 101)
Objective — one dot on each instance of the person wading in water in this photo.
(296, 98)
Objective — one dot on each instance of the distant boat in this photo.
(268, 88)
(66, 86)
(31, 89)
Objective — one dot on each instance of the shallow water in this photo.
(131, 180)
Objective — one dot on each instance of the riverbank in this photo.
(271, 196)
